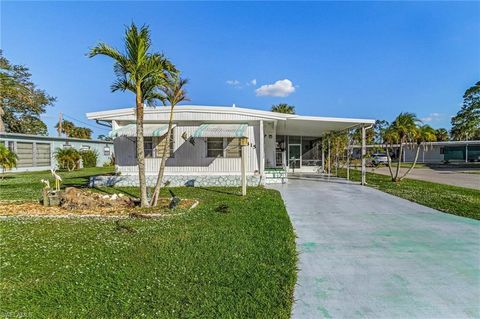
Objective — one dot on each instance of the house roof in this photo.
(289, 124)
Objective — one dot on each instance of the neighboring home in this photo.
(36, 153)
(205, 145)
(433, 152)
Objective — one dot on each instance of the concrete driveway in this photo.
(448, 175)
(368, 254)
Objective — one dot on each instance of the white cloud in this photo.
(432, 117)
(281, 88)
(233, 82)
(253, 82)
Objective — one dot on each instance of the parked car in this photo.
(379, 158)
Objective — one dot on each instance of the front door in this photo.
(294, 155)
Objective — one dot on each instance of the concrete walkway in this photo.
(367, 254)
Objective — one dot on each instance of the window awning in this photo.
(221, 130)
(148, 130)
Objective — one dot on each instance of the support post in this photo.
(364, 153)
(323, 155)
(243, 165)
(329, 158)
(262, 150)
(466, 153)
(348, 155)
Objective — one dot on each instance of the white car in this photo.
(379, 158)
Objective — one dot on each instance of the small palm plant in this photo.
(67, 158)
(8, 159)
(142, 73)
(174, 93)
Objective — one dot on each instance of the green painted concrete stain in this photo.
(308, 247)
(324, 312)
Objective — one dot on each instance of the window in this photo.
(106, 151)
(11, 146)
(148, 147)
(442, 150)
(153, 146)
(25, 154)
(223, 147)
(233, 148)
(215, 147)
(84, 148)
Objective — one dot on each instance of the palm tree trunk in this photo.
(161, 170)
(413, 165)
(389, 161)
(398, 162)
(140, 150)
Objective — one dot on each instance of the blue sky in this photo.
(344, 59)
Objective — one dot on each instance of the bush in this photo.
(67, 158)
(8, 159)
(89, 158)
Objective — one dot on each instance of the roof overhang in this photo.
(287, 124)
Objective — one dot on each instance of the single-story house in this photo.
(205, 145)
(36, 153)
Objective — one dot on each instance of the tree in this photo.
(283, 108)
(142, 73)
(442, 135)
(8, 159)
(71, 130)
(174, 94)
(403, 132)
(21, 102)
(466, 124)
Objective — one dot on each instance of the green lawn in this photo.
(27, 186)
(203, 264)
(450, 199)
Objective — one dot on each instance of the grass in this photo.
(450, 199)
(27, 186)
(204, 264)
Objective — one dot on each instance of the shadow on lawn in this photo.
(219, 191)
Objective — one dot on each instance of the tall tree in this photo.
(71, 130)
(21, 102)
(283, 108)
(466, 124)
(442, 135)
(142, 73)
(174, 93)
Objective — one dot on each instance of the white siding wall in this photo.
(188, 158)
(269, 131)
(430, 155)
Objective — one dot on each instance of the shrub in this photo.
(8, 159)
(89, 158)
(67, 158)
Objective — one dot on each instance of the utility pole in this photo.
(60, 122)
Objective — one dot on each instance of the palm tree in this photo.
(403, 130)
(442, 135)
(283, 108)
(425, 134)
(174, 93)
(142, 73)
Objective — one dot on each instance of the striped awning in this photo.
(221, 130)
(148, 130)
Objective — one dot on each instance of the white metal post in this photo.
(323, 155)
(262, 150)
(364, 153)
(243, 168)
(466, 153)
(329, 158)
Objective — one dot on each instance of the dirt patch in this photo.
(75, 198)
